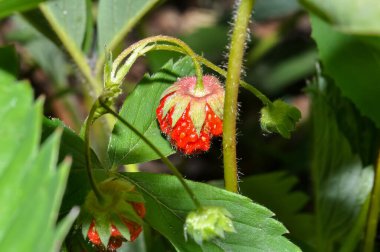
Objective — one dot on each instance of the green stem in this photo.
(242, 83)
(239, 36)
(87, 152)
(73, 50)
(217, 69)
(373, 215)
(161, 38)
(157, 151)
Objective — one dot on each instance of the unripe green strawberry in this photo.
(190, 116)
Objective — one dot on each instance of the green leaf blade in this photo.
(8, 7)
(355, 71)
(70, 15)
(357, 17)
(342, 182)
(31, 187)
(256, 230)
(117, 17)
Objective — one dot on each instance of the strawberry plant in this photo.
(121, 132)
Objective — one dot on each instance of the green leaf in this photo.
(72, 145)
(9, 60)
(7, 7)
(360, 131)
(279, 117)
(70, 15)
(31, 187)
(354, 16)
(168, 204)
(342, 183)
(116, 18)
(42, 51)
(36, 19)
(139, 108)
(271, 9)
(274, 190)
(353, 64)
(278, 75)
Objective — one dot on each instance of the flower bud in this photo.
(279, 117)
(207, 223)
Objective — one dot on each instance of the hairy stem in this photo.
(157, 151)
(235, 59)
(87, 152)
(374, 210)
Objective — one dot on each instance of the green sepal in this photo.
(126, 210)
(181, 104)
(107, 69)
(217, 105)
(85, 220)
(123, 229)
(103, 228)
(197, 114)
(134, 196)
(279, 117)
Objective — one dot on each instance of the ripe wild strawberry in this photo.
(190, 117)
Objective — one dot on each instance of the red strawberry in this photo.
(190, 117)
(116, 204)
(117, 238)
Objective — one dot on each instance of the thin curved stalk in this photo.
(87, 152)
(374, 210)
(156, 39)
(157, 151)
(265, 100)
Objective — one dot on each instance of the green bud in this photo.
(207, 223)
(279, 117)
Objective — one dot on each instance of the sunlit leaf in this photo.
(31, 186)
(7, 7)
(116, 18)
(355, 16)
